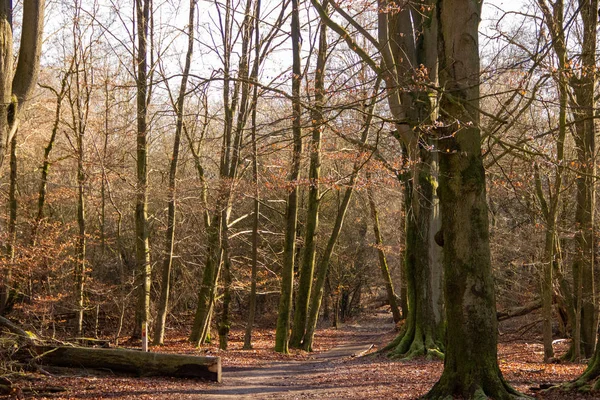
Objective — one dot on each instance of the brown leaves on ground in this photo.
(261, 373)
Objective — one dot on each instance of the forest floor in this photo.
(334, 371)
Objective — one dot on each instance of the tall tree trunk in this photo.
(416, 35)
(16, 89)
(200, 327)
(7, 291)
(81, 239)
(550, 216)
(323, 264)
(6, 70)
(586, 148)
(104, 178)
(289, 252)
(79, 95)
(585, 142)
(163, 304)
(256, 201)
(471, 364)
(241, 92)
(583, 105)
(554, 20)
(312, 214)
(141, 205)
(16, 85)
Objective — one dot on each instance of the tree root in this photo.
(408, 345)
(491, 387)
(477, 394)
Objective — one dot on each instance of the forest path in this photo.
(315, 378)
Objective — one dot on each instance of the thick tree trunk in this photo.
(7, 104)
(424, 331)
(586, 182)
(470, 365)
(583, 266)
(16, 89)
(414, 43)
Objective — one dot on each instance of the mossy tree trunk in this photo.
(470, 365)
(584, 88)
(415, 44)
(224, 322)
(424, 331)
(289, 252)
(206, 294)
(16, 87)
(323, 264)
(312, 214)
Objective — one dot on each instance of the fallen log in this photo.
(23, 335)
(519, 311)
(132, 361)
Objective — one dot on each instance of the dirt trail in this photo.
(302, 379)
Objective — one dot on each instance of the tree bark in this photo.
(312, 214)
(289, 253)
(470, 365)
(256, 200)
(16, 87)
(7, 290)
(424, 331)
(141, 207)
(585, 142)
